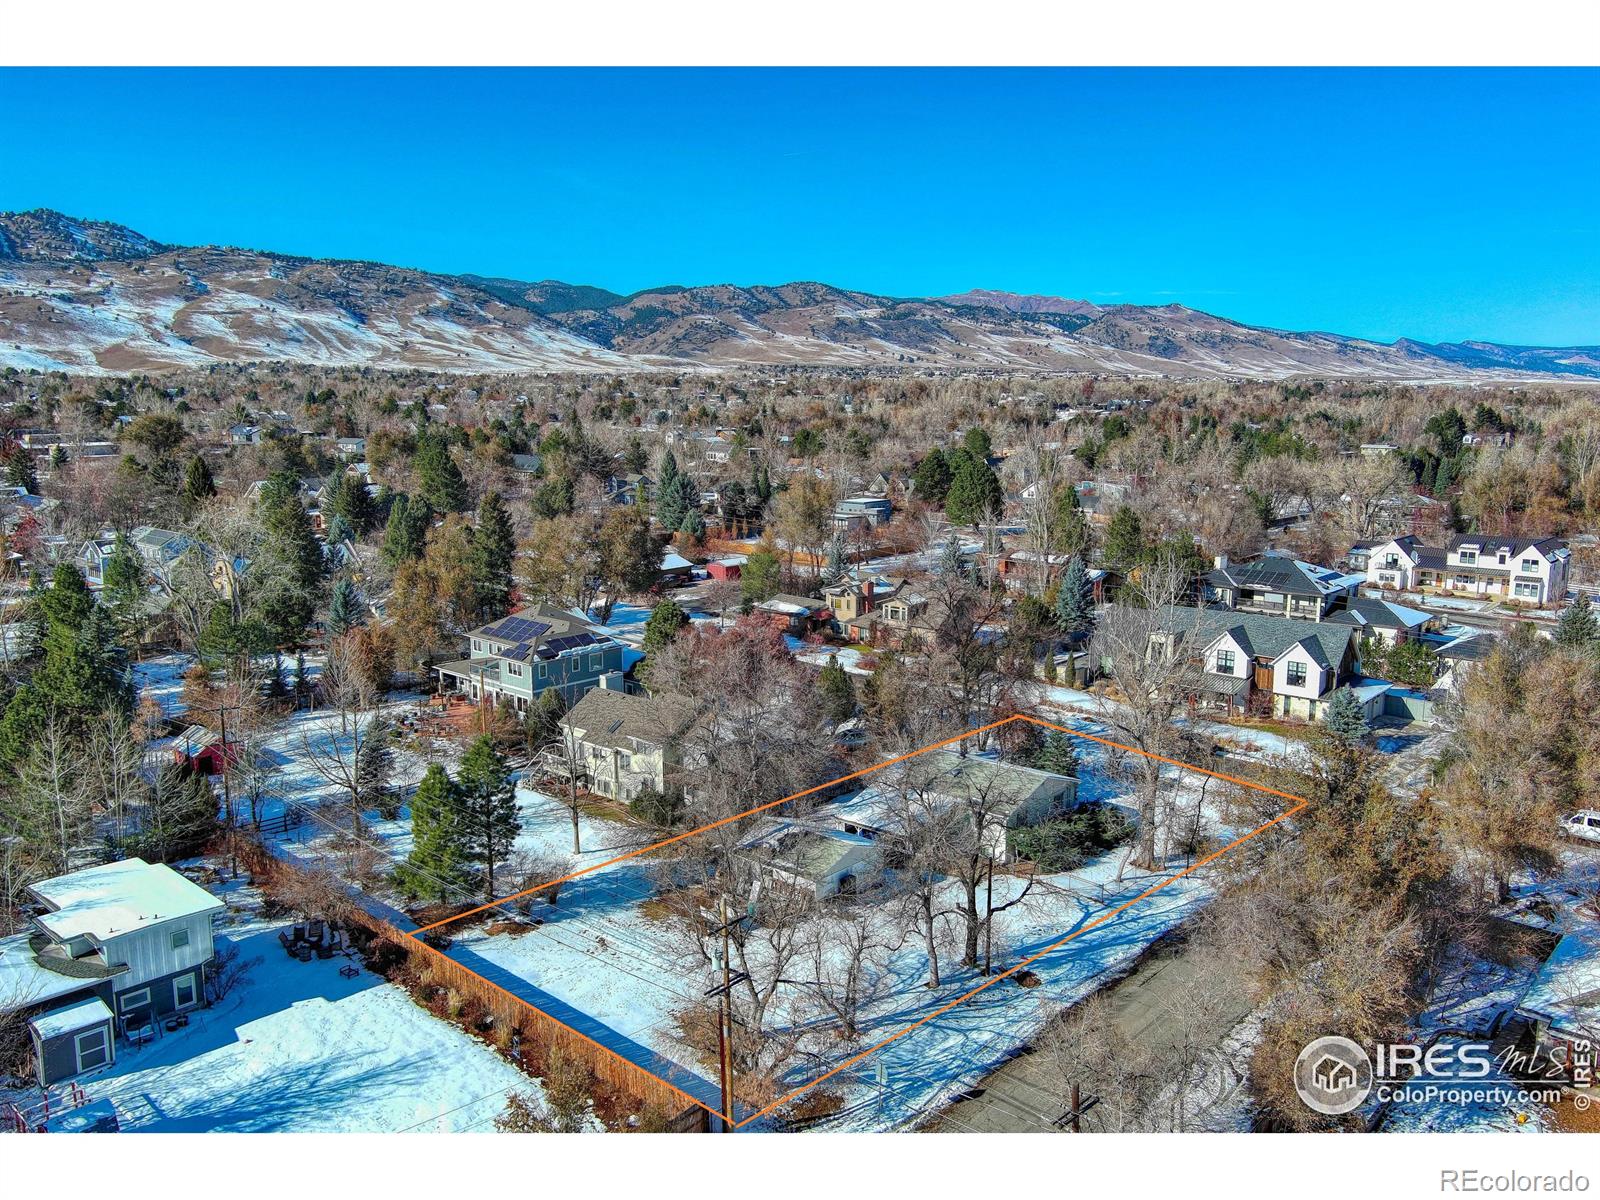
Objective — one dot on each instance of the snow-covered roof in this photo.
(113, 899)
(1566, 991)
(672, 561)
(62, 1021)
(23, 982)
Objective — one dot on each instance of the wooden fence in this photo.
(538, 1030)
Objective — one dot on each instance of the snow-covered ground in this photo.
(295, 1047)
(605, 950)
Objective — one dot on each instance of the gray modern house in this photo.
(121, 945)
(516, 659)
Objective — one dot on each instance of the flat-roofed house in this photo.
(120, 945)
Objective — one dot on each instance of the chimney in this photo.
(866, 594)
(612, 681)
(1220, 562)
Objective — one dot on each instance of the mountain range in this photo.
(96, 297)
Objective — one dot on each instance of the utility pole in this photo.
(988, 918)
(724, 993)
(1072, 1119)
(227, 793)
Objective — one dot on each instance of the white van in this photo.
(1583, 825)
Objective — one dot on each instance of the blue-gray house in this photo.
(515, 659)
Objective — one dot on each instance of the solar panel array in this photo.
(517, 629)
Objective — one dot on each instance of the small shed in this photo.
(73, 1040)
(726, 568)
(675, 568)
(203, 750)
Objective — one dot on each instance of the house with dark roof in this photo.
(516, 659)
(1385, 621)
(620, 743)
(1277, 666)
(821, 862)
(1279, 586)
(1531, 571)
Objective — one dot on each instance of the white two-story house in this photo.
(1531, 571)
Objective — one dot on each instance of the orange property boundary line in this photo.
(1297, 803)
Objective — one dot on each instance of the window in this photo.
(92, 1048)
(1527, 591)
(179, 938)
(1392, 562)
(624, 760)
(1297, 674)
(1530, 566)
(596, 660)
(1468, 557)
(1224, 662)
(514, 668)
(477, 646)
(128, 1001)
(542, 671)
(184, 992)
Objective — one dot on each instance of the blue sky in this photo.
(1435, 204)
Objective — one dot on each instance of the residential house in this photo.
(1530, 571)
(1011, 796)
(120, 946)
(675, 568)
(795, 615)
(1021, 568)
(821, 862)
(159, 548)
(1278, 586)
(879, 610)
(877, 509)
(244, 435)
(1100, 500)
(622, 743)
(1275, 665)
(516, 659)
(1562, 1002)
(1460, 656)
(1385, 621)
(351, 447)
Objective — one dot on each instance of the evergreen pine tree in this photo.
(1055, 753)
(344, 609)
(1344, 719)
(123, 583)
(374, 766)
(489, 808)
(1577, 627)
(294, 564)
(838, 691)
(198, 485)
(349, 500)
(437, 867)
(974, 494)
(20, 472)
(931, 479)
(633, 458)
(406, 534)
(976, 443)
(693, 525)
(835, 567)
(666, 620)
(1073, 612)
(1125, 545)
(439, 480)
(494, 550)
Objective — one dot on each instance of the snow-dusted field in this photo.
(605, 951)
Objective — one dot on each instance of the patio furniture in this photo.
(300, 931)
(317, 931)
(177, 1021)
(324, 950)
(349, 971)
(303, 952)
(288, 943)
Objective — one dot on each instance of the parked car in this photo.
(1583, 825)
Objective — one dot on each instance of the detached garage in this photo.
(72, 1040)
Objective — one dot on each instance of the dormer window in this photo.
(1469, 556)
